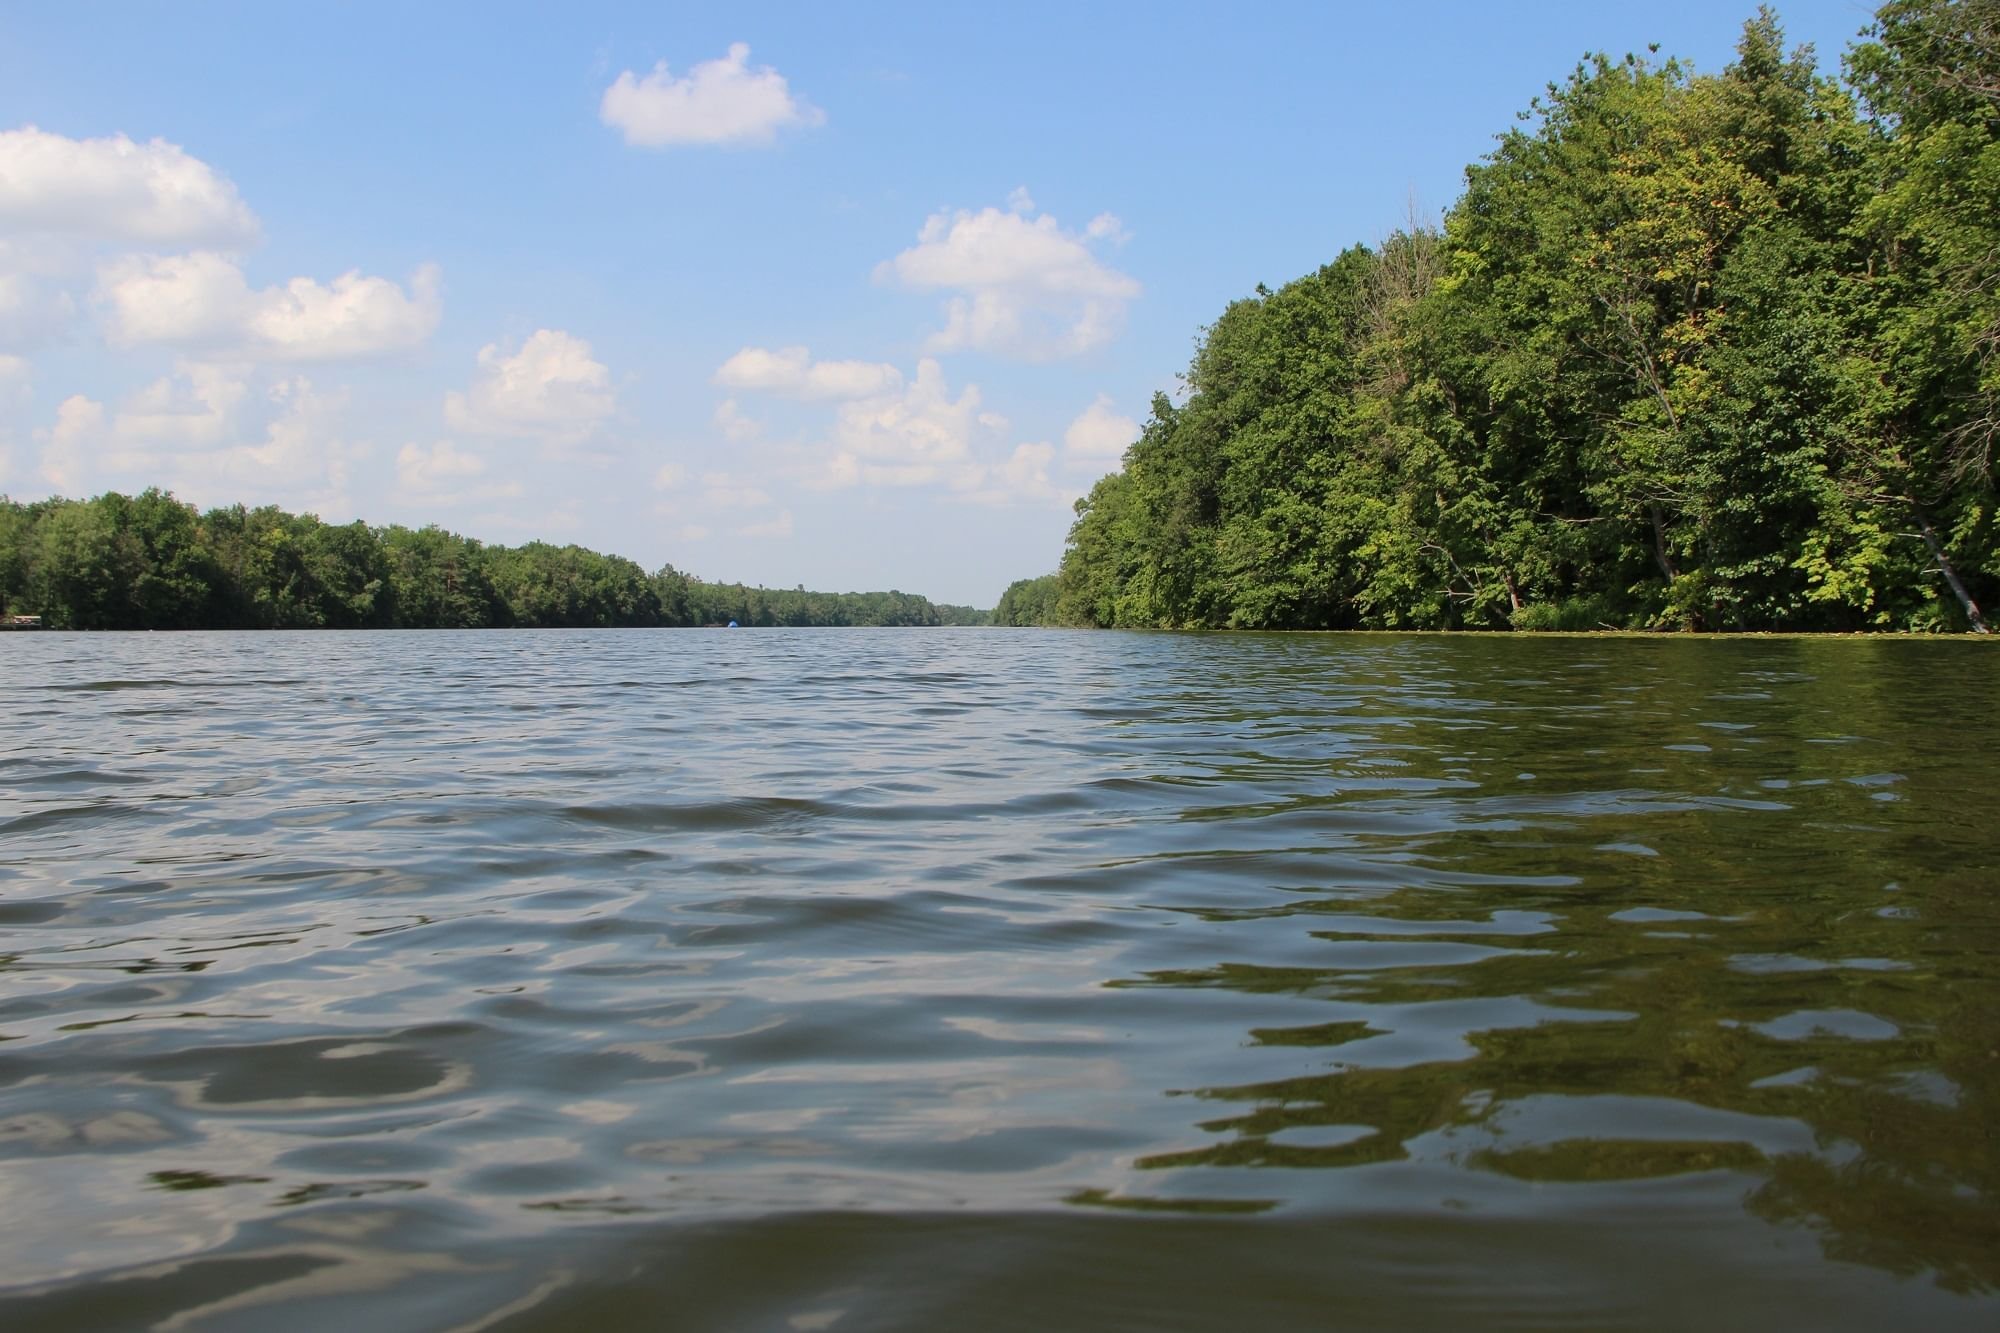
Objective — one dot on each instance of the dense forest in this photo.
(1030, 602)
(1691, 351)
(151, 562)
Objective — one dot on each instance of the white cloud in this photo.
(1099, 432)
(302, 458)
(921, 434)
(1107, 227)
(185, 437)
(722, 491)
(79, 425)
(913, 437)
(153, 193)
(16, 389)
(33, 308)
(719, 492)
(566, 517)
(792, 371)
(354, 316)
(148, 439)
(194, 410)
(443, 474)
(550, 388)
(1024, 475)
(439, 467)
(1028, 466)
(193, 298)
(202, 299)
(1021, 286)
(719, 102)
(735, 426)
(65, 203)
(198, 411)
(781, 526)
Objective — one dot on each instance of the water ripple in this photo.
(525, 979)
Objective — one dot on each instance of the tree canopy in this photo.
(1709, 351)
(151, 562)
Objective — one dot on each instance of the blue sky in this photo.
(864, 306)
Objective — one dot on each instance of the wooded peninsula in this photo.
(150, 562)
(1692, 351)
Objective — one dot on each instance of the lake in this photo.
(848, 979)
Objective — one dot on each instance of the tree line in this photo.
(151, 562)
(1691, 351)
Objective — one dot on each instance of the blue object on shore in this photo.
(732, 624)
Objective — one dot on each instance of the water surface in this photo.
(911, 979)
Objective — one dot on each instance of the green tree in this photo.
(1711, 351)
(1029, 602)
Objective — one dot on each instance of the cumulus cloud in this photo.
(923, 434)
(1018, 285)
(444, 474)
(440, 467)
(1107, 227)
(1028, 466)
(734, 425)
(32, 310)
(550, 388)
(202, 299)
(15, 376)
(719, 102)
(718, 492)
(791, 371)
(66, 445)
(17, 379)
(779, 526)
(1099, 433)
(186, 436)
(193, 298)
(722, 491)
(303, 455)
(354, 316)
(153, 193)
(65, 203)
(195, 408)
(916, 436)
(537, 524)
(913, 433)
(1022, 475)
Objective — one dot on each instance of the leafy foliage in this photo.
(150, 562)
(1715, 352)
(1027, 602)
